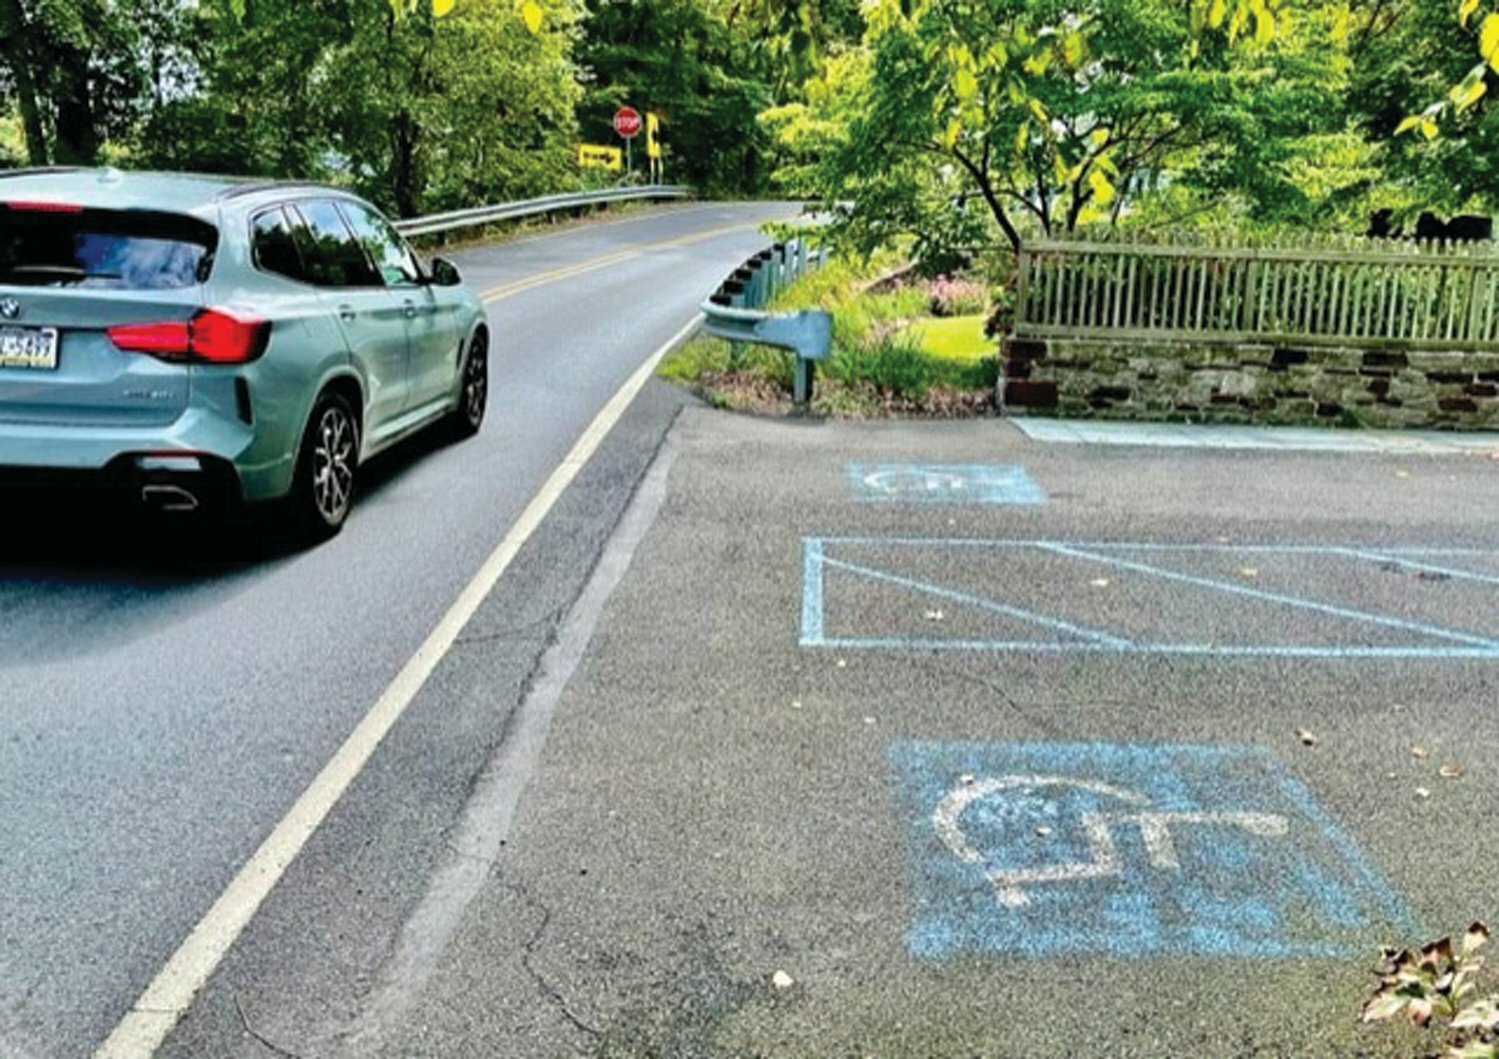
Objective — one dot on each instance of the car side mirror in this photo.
(445, 273)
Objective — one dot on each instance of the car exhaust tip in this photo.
(172, 498)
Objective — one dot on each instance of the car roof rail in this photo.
(257, 186)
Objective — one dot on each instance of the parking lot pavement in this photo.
(914, 739)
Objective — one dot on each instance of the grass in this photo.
(956, 338)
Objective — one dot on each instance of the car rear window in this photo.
(114, 249)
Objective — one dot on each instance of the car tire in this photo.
(323, 491)
(473, 389)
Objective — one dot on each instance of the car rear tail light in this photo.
(43, 207)
(212, 336)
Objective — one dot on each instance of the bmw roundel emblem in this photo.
(10, 309)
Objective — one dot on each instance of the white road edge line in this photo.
(166, 999)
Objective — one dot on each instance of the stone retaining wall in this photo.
(1185, 381)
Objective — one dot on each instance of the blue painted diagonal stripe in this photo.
(942, 592)
(1432, 568)
(1271, 597)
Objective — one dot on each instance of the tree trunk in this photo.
(16, 56)
(77, 127)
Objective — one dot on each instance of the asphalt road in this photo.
(729, 848)
(161, 709)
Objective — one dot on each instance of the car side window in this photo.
(334, 257)
(274, 247)
(397, 264)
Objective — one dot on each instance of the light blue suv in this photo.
(194, 340)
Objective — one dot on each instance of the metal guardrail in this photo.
(737, 310)
(437, 223)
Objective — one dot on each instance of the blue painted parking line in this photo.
(1038, 849)
(1337, 629)
(943, 483)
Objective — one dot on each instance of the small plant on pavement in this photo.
(1436, 988)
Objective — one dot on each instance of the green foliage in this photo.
(419, 113)
(894, 364)
(705, 78)
(1437, 988)
(959, 123)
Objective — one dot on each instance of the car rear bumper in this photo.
(182, 465)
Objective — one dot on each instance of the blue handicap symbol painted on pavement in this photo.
(943, 483)
(1048, 848)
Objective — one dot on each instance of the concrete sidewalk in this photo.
(913, 739)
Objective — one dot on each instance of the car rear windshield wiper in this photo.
(55, 274)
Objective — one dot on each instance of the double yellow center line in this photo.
(541, 279)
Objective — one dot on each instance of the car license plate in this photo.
(28, 347)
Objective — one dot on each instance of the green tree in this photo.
(700, 71)
(417, 111)
(1056, 114)
(72, 70)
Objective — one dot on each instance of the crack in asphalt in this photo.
(244, 1020)
(544, 985)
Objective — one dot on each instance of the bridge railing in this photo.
(1332, 292)
(453, 220)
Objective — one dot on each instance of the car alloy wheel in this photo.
(334, 456)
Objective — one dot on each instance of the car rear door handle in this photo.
(346, 313)
(410, 310)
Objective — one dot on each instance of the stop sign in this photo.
(627, 122)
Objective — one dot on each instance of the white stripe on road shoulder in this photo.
(151, 1018)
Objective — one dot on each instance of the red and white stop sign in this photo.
(627, 122)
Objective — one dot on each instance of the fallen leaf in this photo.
(934, 615)
(1402, 474)
(1099, 582)
(1450, 771)
(1043, 831)
(1422, 792)
(842, 663)
(782, 980)
(1420, 752)
(869, 720)
(966, 779)
(1248, 571)
(1389, 775)
(1307, 738)
(796, 704)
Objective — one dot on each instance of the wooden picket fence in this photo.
(1323, 291)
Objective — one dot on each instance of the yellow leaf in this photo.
(531, 12)
(1022, 139)
(1103, 191)
(1488, 39)
(442, 7)
(1072, 48)
(1039, 111)
(1342, 26)
(965, 86)
(1428, 128)
(1465, 11)
(1408, 124)
(954, 130)
(1216, 13)
(1264, 26)
(1470, 89)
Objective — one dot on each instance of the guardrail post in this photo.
(804, 375)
